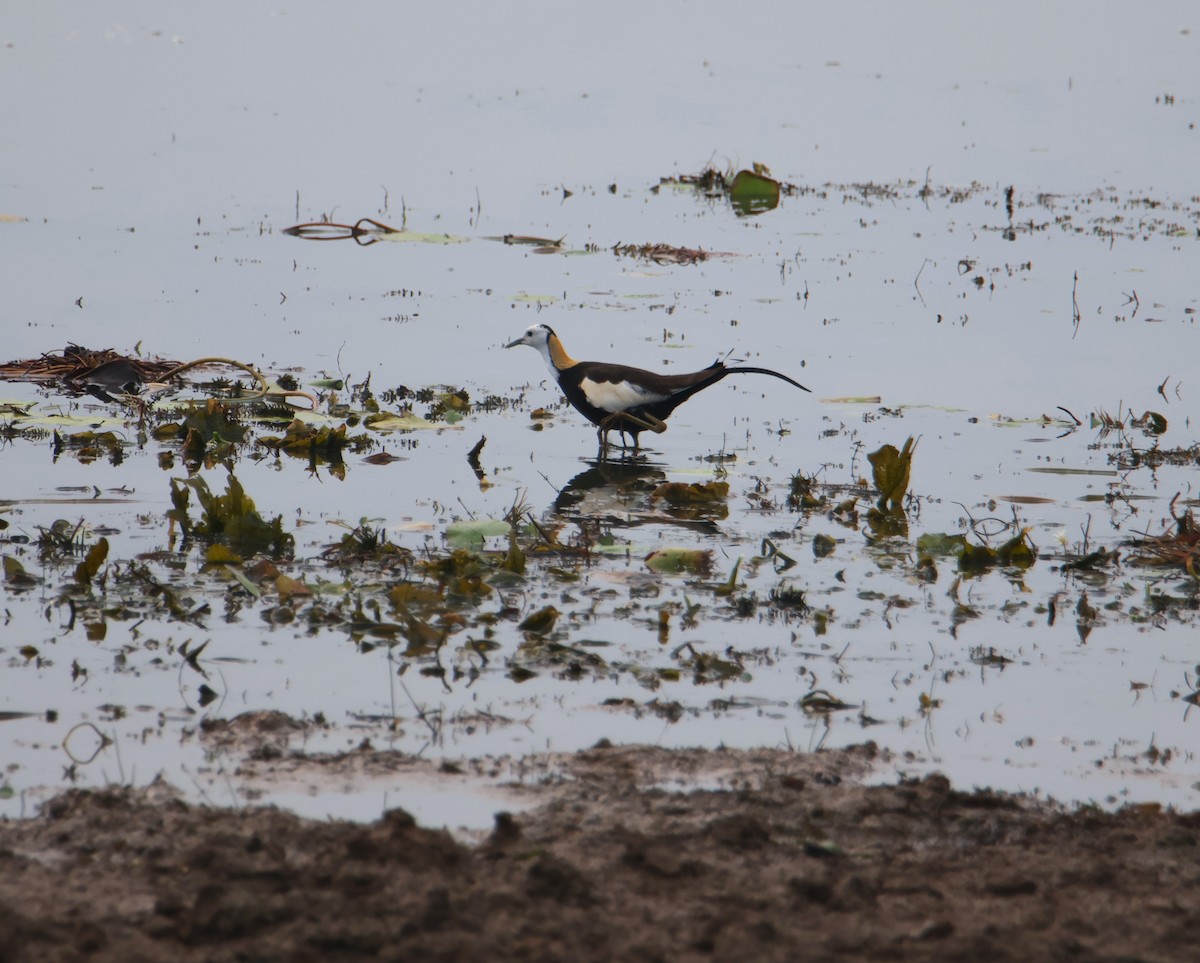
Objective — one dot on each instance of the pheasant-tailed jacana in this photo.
(616, 397)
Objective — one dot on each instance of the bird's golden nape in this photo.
(617, 397)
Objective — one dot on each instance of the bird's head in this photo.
(536, 336)
(542, 337)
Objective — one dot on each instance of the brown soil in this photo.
(783, 856)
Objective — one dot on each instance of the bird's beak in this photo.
(513, 344)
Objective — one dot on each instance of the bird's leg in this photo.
(656, 425)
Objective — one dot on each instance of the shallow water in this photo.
(156, 155)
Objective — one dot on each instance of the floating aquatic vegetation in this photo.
(803, 494)
(749, 192)
(892, 469)
(88, 446)
(460, 572)
(76, 366)
(208, 429)
(753, 192)
(541, 621)
(366, 231)
(231, 518)
(697, 500)
(790, 598)
(475, 532)
(822, 702)
(15, 575)
(1179, 546)
(1149, 422)
(680, 561)
(366, 544)
(823, 545)
(89, 568)
(709, 667)
(319, 445)
(666, 253)
(105, 373)
(1017, 551)
(540, 245)
(403, 421)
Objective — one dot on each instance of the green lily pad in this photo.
(472, 534)
(676, 561)
(406, 421)
(753, 193)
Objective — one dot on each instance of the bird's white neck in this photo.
(544, 351)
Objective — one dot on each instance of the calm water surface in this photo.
(154, 153)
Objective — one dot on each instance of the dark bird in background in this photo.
(616, 397)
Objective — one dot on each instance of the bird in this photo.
(617, 397)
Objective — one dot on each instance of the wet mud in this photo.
(626, 854)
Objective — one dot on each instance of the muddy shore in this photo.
(775, 856)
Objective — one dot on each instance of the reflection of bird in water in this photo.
(618, 397)
(614, 482)
(620, 495)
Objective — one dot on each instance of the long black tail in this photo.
(716, 372)
(767, 371)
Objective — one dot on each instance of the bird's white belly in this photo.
(617, 396)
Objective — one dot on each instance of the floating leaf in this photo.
(1151, 422)
(976, 557)
(676, 561)
(892, 523)
(820, 701)
(541, 621)
(753, 193)
(404, 421)
(86, 570)
(697, 493)
(729, 586)
(1049, 470)
(472, 534)
(823, 545)
(15, 574)
(891, 469)
(366, 231)
(221, 555)
(526, 239)
(423, 237)
(1017, 551)
(287, 587)
(803, 495)
(514, 561)
(211, 421)
(939, 543)
(241, 579)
